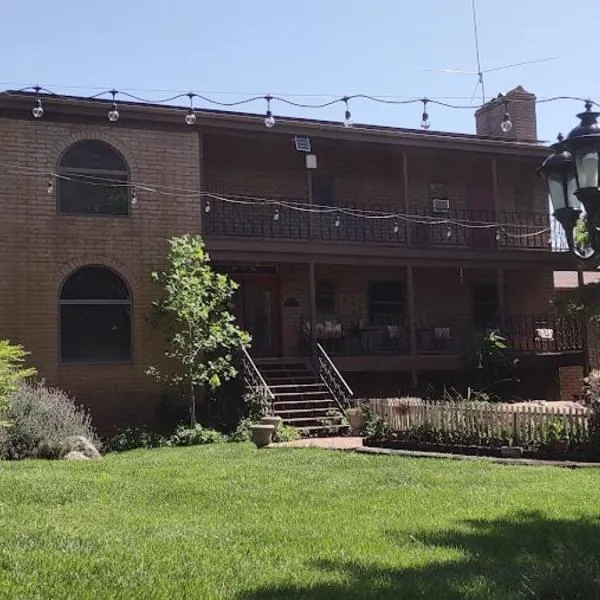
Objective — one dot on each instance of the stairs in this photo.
(301, 399)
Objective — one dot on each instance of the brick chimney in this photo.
(521, 107)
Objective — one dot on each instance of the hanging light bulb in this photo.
(425, 122)
(347, 114)
(38, 110)
(50, 186)
(133, 197)
(207, 207)
(276, 215)
(507, 123)
(396, 227)
(449, 232)
(269, 118)
(498, 236)
(190, 118)
(337, 221)
(113, 113)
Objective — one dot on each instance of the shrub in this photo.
(11, 374)
(243, 432)
(196, 435)
(42, 419)
(132, 438)
(592, 400)
(286, 433)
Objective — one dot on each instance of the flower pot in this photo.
(262, 435)
(357, 420)
(271, 420)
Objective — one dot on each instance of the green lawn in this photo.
(228, 521)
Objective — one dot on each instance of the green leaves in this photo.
(203, 334)
(12, 372)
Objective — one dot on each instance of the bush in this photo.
(196, 435)
(11, 374)
(243, 432)
(132, 438)
(42, 419)
(592, 400)
(286, 433)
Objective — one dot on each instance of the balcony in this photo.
(356, 335)
(267, 221)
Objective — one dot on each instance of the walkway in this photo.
(331, 443)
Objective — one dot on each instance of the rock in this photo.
(75, 455)
(83, 446)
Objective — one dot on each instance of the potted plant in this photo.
(558, 441)
(271, 420)
(262, 435)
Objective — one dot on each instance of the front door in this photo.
(257, 308)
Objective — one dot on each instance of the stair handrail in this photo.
(332, 378)
(253, 377)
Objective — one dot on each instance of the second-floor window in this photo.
(325, 297)
(386, 302)
(93, 180)
(322, 189)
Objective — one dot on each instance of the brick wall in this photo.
(40, 249)
(571, 383)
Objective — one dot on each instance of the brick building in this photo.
(394, 301)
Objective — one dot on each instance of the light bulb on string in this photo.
(276, 215)
(449, 232)
(190, 117)
(38, 110)
(50, 189)
(347, 114)
(396, 228)
(337, 221)
(425, 122)
(113, 113)
(207, 207)
(507, 123)
(269, 118)
(498, 235)
(134, 199)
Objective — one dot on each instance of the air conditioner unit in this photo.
(441, 205)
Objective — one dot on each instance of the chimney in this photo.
(521, 107)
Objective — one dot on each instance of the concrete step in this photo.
(332, 420)
(284, 405)
(322, 430)
(290, 387)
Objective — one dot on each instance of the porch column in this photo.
(312, 298)
(501, 298)
(584, 327)
(406, 198)
(410, 284)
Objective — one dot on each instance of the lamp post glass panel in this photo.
(571, 173)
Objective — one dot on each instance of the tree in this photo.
(12, 373)
(203, 335)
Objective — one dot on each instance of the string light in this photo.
(190, 118)
(276, 215)
(207, 207)
(498, 236)
(347, 114)
(449, 232)
(396, 228)
(269, 118)
(337, 221)
(425, 122)
(113, 113)
(38, 110)
(134, 197)
(506, 124)
(50, 189)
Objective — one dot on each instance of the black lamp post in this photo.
(572, 175)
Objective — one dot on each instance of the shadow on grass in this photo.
(524, 556)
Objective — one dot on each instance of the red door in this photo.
(257, 307)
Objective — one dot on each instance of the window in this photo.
(93, 180)
(322, 189)
(386, 302)
(325, 297)
(486, 304)
(95, 317)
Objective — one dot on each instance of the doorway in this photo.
(480, 203)
(257, 307)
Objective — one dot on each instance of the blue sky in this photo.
(321, 47)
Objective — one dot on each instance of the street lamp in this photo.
(571, 172)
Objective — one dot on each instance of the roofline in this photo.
(15, 102)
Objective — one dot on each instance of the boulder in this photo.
(83, 446)
(75, 455)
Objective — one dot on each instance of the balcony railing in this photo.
(357, 335)
(454, 228)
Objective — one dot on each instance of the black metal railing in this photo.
(331, 377)
(356, 335)
(466, 228)
(253, 380)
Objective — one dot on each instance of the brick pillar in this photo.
(571, 383)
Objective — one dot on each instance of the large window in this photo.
(94, 180)
(325, 297)
(386, 302)
(95, 317)
(323, 189)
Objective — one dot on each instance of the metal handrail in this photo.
(331, 377)
(324, 354)
(256, 374)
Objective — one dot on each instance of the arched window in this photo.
(95, 317)
(94, 180)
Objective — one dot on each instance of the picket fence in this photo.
(522, 423)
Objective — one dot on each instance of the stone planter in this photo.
(271, 420)
(262, 435)
(356, 419)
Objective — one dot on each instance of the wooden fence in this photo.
(522, 423)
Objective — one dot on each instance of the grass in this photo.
(227, 521)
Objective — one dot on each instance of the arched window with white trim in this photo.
(95, 317)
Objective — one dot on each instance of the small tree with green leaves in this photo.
(203, 334)
(12, 372)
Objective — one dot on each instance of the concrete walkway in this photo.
(331, 443)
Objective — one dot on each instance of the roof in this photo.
(568, 279)
(15, 103)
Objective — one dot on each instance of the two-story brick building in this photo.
(390, 246)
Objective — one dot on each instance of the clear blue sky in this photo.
(379, 47)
